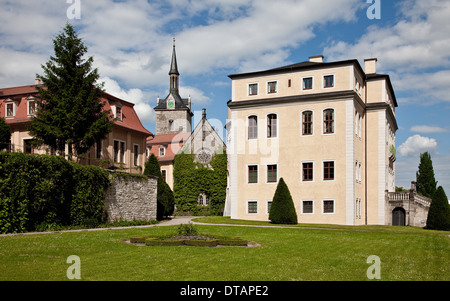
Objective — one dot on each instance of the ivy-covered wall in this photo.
(37, 190)
(192, 179)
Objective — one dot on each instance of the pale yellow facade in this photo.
(337, 165)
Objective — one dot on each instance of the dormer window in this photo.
(10, 108)
(116, 109)
(162, 151)
(31, 106)
(119, 113)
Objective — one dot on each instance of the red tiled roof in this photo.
(130, 120)
(171, 142)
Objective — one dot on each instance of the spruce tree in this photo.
(439, 212)
(282, 210)
(71, 111)
(5, 134)
(426, 183)
(165, 199)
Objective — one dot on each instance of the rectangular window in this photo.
(136, 155)
(252, 207)
(116, 151)
(164, 174)
(328, 81)
(307, 171)
(272, 173)
(328, 170)
(328, 121)
(271, 125)
(269, 204)
(9, 110)
(307, 123)
(328, 206)
(307, 83)
(253, 89)
(307, 206)
(122, 152)
(31, 107)
(119, 113)
(162, 151)
(252, 127)
(253, 174)
(272, 87)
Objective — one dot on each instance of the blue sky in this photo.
(131, 42)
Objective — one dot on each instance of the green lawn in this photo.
(406, 253)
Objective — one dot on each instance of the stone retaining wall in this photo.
(131, 198)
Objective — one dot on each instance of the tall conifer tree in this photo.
(426, 183)
(439, 213)
(165, 199)
(71, 111)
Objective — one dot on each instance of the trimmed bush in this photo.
(201, 242)
(282, 210)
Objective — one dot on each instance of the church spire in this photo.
(173, 65)
(173, 73)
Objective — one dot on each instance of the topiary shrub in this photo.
(439, 212)
(282, 210)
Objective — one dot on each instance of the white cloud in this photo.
(419, 42)
(415, 145)
(426, 129)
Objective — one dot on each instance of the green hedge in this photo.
(40, 191)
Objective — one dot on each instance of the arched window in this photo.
(328, 121)
(307, 123)
(271, 125)
(252, 127)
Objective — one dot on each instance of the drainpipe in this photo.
(365, 155)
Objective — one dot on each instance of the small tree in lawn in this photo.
(5, 134)
(426, 183)
(165, 199)
(282, 210)
(439, 212)
(71, 111)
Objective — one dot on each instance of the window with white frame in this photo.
(10, 110)
(307, 207)
(328, 81)
(272, 125)
(119, 151)
(252, 207)
(32, 107)
(272, 87)
(162, 151)
(252, 89)
(252, 127)
(328, 206)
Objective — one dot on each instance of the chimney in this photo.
(37, 81)
(316, 59)
(370, 66)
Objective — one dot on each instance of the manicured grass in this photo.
(284, 254)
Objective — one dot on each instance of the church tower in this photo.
(173, 114)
